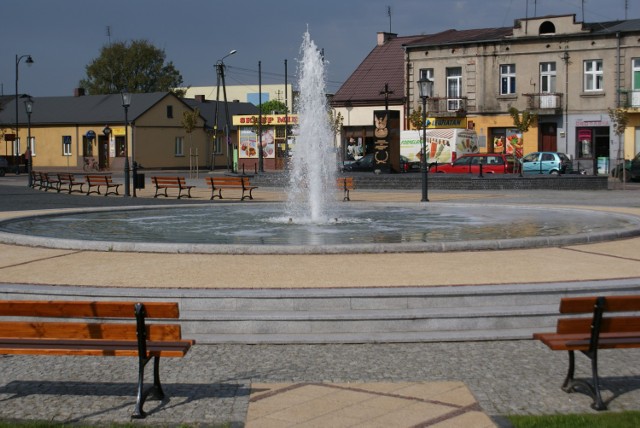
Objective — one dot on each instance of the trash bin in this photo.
(138, 181)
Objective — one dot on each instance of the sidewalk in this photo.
(264, 384)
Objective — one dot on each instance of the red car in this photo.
(492, 163)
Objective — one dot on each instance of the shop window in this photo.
(507, 79)
(593, 75)
(585, 139)
(66, 145)
(120, 146)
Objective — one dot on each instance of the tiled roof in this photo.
(461, 36)
(383, 65)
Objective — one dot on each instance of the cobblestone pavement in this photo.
(212, 384)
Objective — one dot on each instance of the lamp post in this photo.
(126, 102)
(28, 61)
(220, 79)
(28, 105)
(425, 86)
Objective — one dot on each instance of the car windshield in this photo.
(464, 160)
(564, 157)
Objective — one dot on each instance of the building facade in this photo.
(565, 73)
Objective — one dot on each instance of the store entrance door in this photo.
(548, 137)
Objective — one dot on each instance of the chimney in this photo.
(200, 98)
(78, 92)
(384, 37)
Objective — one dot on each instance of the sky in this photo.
(64, 36)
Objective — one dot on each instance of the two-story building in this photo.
(567, 75)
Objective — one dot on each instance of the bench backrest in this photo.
(227, 181)
(169, 181)
(345, 183)
(105, 179)
(63, 176)
(601, 310)
(99, 320)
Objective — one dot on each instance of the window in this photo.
(454, 88)
(66, 145)
(547, 77)
(635, 72)
(120, 146)
(16, 147)
(507, 79)
(179, 149)
(593, 75)
(169, 112)
(87, 146)
(32, 145)
(426, 73)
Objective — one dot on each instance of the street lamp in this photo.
(126, 102)
(28, 105)
(425, 87)
(28, 61)
(220, 79)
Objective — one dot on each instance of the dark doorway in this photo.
(548, 137)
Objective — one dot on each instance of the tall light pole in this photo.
(220, 80)
(425, 86)
(28, 61)
(28, 105)
(126, 102)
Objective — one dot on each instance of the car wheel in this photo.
(2, 172)
(554, 172)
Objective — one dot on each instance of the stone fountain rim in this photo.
(413, 247)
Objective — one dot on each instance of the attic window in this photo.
(547, 27)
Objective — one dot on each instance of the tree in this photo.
(274, 107)
(138, 67)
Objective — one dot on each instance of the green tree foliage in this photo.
(274, 107)
(138, 67)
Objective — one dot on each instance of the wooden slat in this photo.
(576, 305)
(580, 342)
(93, 347)
(81, 309)
(608, 325)
(80, 330)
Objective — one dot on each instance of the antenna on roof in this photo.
(626, 8)
(582, 10)
(109, 33)
(389, 15)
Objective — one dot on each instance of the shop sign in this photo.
(267, 119)
(447, 122)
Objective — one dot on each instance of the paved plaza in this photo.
(400, 384)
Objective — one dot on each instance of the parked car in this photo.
(553, 163)
(409, 166)
(632, 168)
(492, 163)
(365, 163)
(4, 166)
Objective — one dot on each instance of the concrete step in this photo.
(353, 315)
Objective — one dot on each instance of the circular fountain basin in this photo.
(353, 228)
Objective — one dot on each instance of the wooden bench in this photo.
(102, 329)
(166, 183)
(49, 180)
(346, 184)
(36, 179)
(68, 180)
(600, 330)
(98, 181)
(218, 183)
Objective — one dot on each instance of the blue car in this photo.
(553, 163)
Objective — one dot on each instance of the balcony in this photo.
(630, 98)
(447, 107)
(544, 104)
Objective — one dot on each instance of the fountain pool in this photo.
(355, 228)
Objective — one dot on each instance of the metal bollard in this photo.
(480, 165)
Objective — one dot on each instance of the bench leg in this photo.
(155, 392)
(593, 389)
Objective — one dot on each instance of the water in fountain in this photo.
(313, 164)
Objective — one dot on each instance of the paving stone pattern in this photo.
(212, 384)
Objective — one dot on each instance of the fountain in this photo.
(313, 163)
(311, 221)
